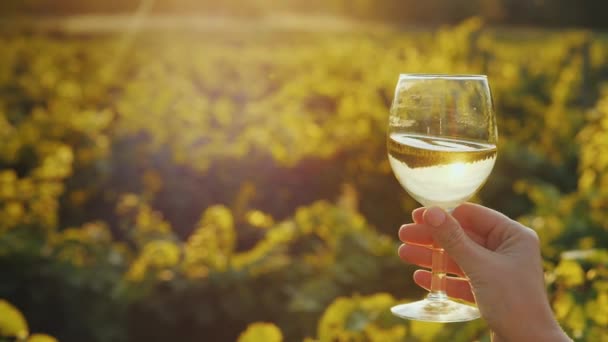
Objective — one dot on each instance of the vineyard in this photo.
(232, 185)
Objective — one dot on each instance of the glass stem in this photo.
(439, 272)
(438, 280)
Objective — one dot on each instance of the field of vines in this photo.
(233, 184)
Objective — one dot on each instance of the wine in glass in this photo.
(441, 147)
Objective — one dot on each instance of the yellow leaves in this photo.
(137, 270)
(587, 179)
(149, 223)
(597, 309)
(157, 257)
(8, 184)
(46, 140)
(593, 165)
(376, 333)
(211, 244)
(41, 338)
(360, 319)
(582, 310)
(570, 313)
(329, 222)
(14, 210)
(269, 253)
(12, 322)
(257, 332)
(333, 320)
(563, 304)
(210, 248)
(576, 321)
(596, 333)
(258, 219)
(27, 201)
(6, 129)
(570, 273)
(57, 164)
(279, 152)
(127, 203)
(425, 331)
(223, 111)
(74, 245)
(7, 176)
(593, 139)
(161, 254)
(245, 100)
(586, 243)
(69, 89)
(316, 229)
(141, 221)
(94, 232)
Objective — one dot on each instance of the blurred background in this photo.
(181, 170)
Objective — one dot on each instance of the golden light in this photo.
(457, 169)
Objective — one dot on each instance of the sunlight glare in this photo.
(457, 169)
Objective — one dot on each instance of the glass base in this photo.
(430, 310)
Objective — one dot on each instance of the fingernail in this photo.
(434, 216)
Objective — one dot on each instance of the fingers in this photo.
(420, 234)
(423, 256)
(419, 237)
(417, 215)
(477, 221)
(448, 234)
(455, 287)
(480, 219)
(417, 234)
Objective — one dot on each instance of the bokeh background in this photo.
(181, 170)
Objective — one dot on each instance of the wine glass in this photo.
(442, 147)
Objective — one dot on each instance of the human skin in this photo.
(497, 264)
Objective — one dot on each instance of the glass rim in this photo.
(443, 76)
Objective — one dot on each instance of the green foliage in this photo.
(298, 267)
(361, 319)
(576, 223)
(186, 186)
(368, 318)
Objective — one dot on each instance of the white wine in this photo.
(440, 171)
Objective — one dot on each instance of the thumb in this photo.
(450, 236)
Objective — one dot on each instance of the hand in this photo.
(497, 262)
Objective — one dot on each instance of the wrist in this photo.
(552, 333)
(527, 320)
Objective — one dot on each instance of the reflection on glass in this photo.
(442, 147)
